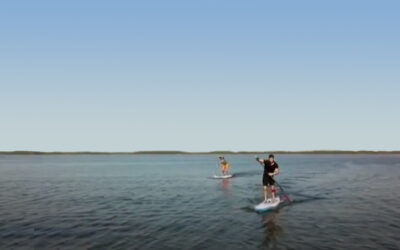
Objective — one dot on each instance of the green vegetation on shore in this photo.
(196, 153)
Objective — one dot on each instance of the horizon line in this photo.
(146, 152)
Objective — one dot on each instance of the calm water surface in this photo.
(169, 202)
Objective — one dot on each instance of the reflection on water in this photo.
(225, 184)
(271, 228)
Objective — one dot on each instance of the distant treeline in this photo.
(196, 153)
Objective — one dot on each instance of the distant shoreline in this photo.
(312, 152)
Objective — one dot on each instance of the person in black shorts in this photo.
(271, 168)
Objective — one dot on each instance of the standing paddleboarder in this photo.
(224, 165)
(271, 168)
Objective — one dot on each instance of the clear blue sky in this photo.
(199, 75)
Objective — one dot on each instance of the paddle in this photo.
(280, 187)
(283, 191)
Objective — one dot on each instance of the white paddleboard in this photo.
(265, 206)
(227, 176)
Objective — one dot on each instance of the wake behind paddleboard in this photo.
(227, 176)
(265, 206)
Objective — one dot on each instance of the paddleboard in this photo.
(227, 176)
(265, 206)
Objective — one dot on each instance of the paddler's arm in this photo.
(276, 172)
(261, 161)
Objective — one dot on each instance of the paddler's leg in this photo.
(265, 186)
(269, 183)
(265, 193)
(269, 192)
(273, 193)
(273, 189)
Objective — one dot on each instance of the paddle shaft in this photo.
(280, 187)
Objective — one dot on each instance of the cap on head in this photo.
(271, 156)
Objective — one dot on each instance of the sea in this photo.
(172, 202)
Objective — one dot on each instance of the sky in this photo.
(199, 75)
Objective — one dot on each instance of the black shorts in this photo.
(268, 180)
